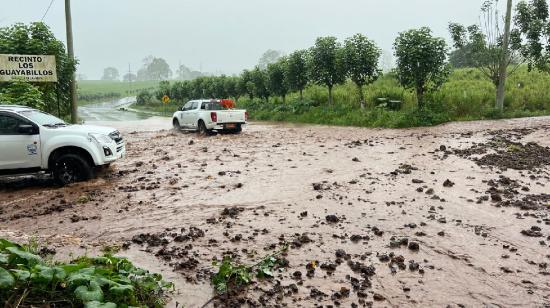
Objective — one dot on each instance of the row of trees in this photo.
(422, 59)
(327, 63)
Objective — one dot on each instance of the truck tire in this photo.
(70, 168)
(203, 131)
(176, 124)
(239, 129)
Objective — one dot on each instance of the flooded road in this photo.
(456, 215)
(115, 110)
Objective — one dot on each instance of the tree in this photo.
(488, 47)
(361, 57)
(421, 61)
(326, 65)
(259, 82)
(276, 78)
(296, 71)
(245, 85)
(463, 57)
(163, 89)
(36, 38)
(21, 92)
(154, 69)
(110, 73)
(181, 90)
(231, 87)
(533, 26)
(159, 69)
(269, 57)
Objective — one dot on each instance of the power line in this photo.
(47, 10)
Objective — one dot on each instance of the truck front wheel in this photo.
(176, 124)
(70, 168)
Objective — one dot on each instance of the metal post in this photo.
(70, 51)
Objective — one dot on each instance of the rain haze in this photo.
(226, 36)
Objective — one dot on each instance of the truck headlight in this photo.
(100, 138)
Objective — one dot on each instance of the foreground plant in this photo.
(108, 281)
(232, 276)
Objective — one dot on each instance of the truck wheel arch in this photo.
(69, 149)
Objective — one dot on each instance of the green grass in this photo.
(93, 91)
(467, 95)
(157, 108)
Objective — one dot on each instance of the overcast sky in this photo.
(226, 36)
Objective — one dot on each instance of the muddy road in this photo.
(454, 215)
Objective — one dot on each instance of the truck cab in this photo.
(34, 141)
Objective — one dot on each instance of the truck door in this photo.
(192, 115)
(19, 143)
(182, 116)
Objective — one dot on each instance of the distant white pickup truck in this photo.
(33, 141)
(205, 116)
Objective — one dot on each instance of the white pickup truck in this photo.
(33, 141)
(205, 116)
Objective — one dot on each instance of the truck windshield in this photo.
(42, 118)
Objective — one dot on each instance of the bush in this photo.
(144, 97)
(107, 281)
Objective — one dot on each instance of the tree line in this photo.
(423, 61)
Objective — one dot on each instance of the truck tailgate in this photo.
(231, 116)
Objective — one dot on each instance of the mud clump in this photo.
(232, 212)
(508, 154)
(333, 219)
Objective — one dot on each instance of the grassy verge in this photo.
(26, 279)
(160, 109)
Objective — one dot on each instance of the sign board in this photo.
(33, 68)
(165, 99)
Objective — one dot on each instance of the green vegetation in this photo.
(93, 91)
(467, 95)
(421, 61)
(232, 277)
(26, 279)
(37, 39)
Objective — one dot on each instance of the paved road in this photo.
(110, 111)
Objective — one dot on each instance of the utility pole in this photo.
(505, 56)
(70, 50)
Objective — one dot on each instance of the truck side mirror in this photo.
(26, 129)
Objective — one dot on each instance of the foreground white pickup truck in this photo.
(205, 116)
(33, 141)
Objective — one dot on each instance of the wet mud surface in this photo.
(456, 215)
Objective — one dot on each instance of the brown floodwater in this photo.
(379, 183)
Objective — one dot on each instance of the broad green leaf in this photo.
(59, 273)
(28, 258)
(5, 244)
(43, 273)
(121, 290)
(96, 304)
(79, 279)
(21, 275)
(89, 293)
(6, 279)
(4, 258)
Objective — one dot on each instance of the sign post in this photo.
(165, 100)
